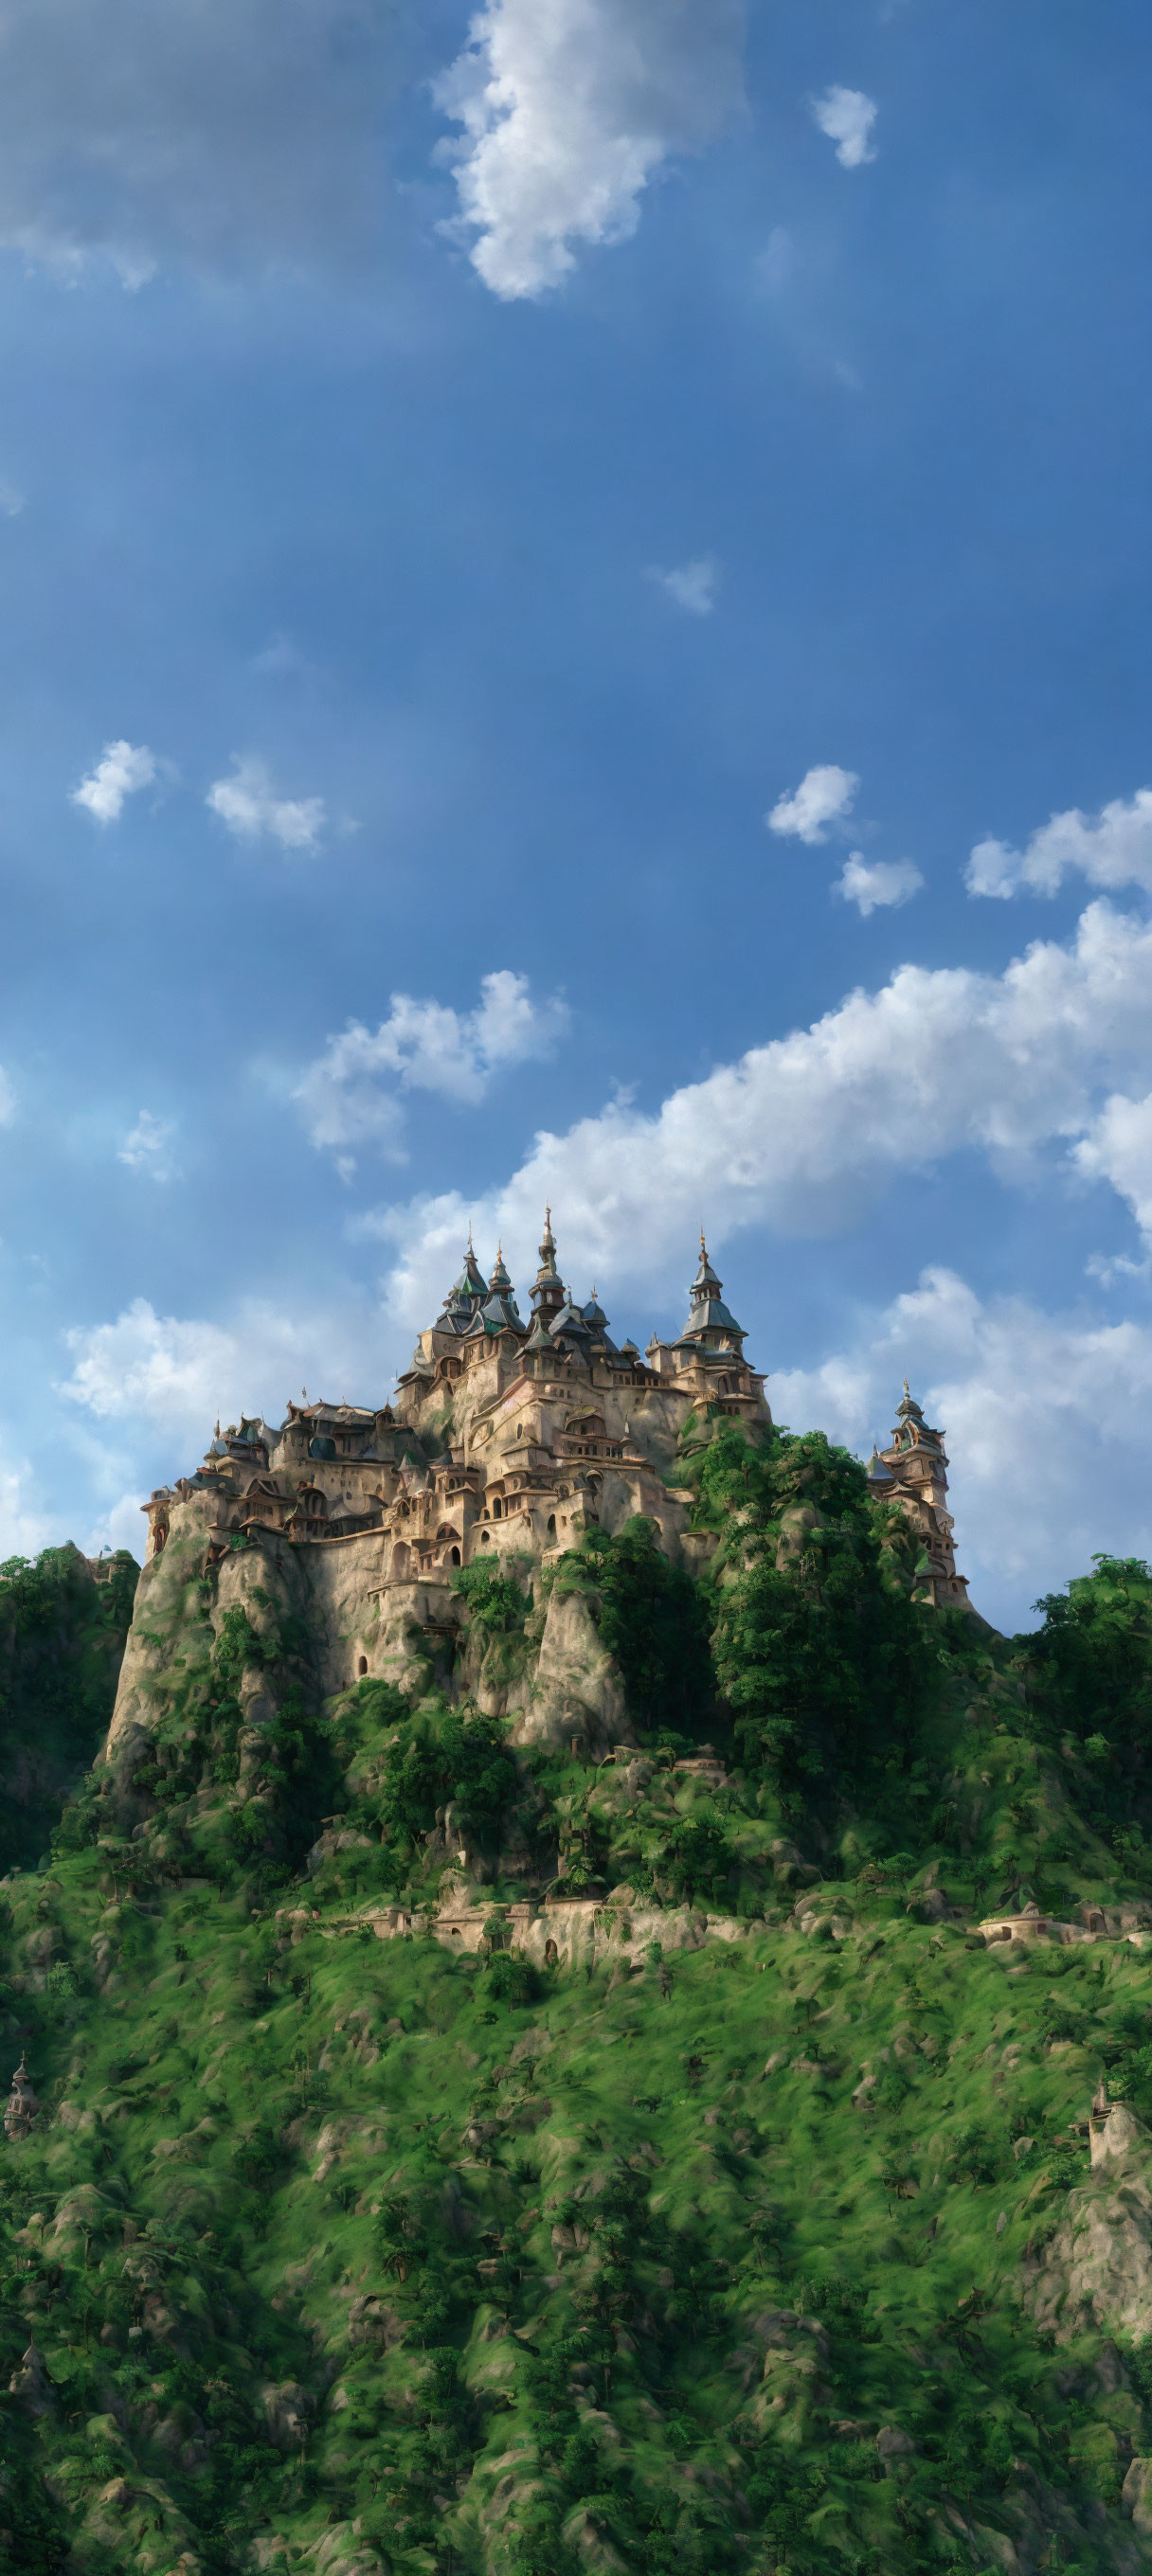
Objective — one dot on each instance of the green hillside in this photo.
(760, 2236)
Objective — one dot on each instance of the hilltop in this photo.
(450, 2139)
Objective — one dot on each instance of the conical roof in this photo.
(500, 1278)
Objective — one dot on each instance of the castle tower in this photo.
(913, 1472)
(710, 1326)
(547, 1289)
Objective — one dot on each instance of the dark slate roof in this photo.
(569, 1321)
(710, 1315)
(499, 1314)
(877, 1472)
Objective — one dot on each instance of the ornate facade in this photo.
(509, 1434)
(506, 1435)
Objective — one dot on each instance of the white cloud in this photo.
(248, 804)
(217, 132)
(1047, 1422)
(168, 1376)
(692, 585)
(883, 881)
(847, 117)
(7, 1099)
(568, 111)
(145, 1148)
(347, 1096)
(805, 1132)
(825, 795)
(1112, 848)
(124, 769)
(1118, 1149)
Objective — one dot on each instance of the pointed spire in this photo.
(705, 1283)
(547, 1293)
(500, 1280)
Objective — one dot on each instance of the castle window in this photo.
(454, 1556)
(551, 1524)
(362, 1666)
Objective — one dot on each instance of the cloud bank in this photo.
(804, 1133)
(568, 112)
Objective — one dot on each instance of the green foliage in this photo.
(823, 1661)
(1092, 1660)
(443, 1757)
(61, 1642)
(496, 1604)
(653, 1621)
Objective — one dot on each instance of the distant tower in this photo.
(913, 1471)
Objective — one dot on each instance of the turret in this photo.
(709, 1322)
(547, 1290)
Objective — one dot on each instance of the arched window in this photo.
(454, 1556)
(362, 1666)
(497, 1508)
(400, 1557)
(551, 1524)
(484, 1540)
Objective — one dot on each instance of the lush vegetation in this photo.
(61, 1639)
(717, 2243)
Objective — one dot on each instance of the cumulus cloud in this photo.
(805, 1132)
(249, 805)
(169, 1376)
(1047, 1422)
(124, 769)
(693, 585)
(146, 1147)
(216, 132)
(348, 1095)
(847, 117)
(1111, 848)
(1118, 1149)
(883, 881)
(568, 111)
(825, 795)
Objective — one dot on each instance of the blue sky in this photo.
(460, 475)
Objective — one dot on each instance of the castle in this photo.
(507, 1437)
